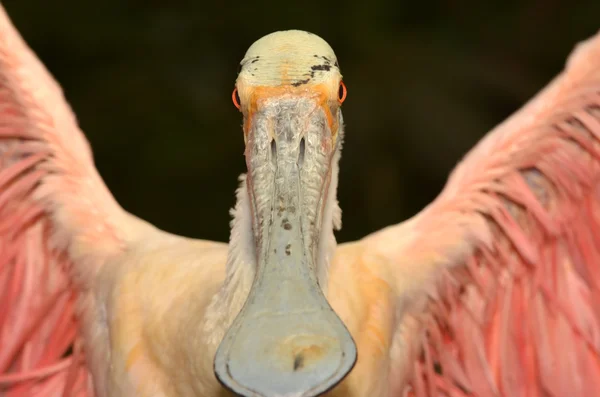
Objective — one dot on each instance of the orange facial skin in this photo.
(249, 99)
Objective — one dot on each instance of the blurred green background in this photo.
(151, 84)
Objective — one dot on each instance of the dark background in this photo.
(151, 83)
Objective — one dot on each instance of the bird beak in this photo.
(287, 340)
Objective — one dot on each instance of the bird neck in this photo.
(242, 258)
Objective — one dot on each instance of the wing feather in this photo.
(58, 224)
(512, 245)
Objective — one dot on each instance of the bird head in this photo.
(287, 340)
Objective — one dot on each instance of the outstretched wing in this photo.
(58, 223)
(499, 278)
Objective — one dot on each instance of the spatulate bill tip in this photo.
(301, 355)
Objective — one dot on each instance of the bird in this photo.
(493, 289)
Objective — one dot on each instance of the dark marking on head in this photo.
(288, 249)
(251, 61)
(298, 362)
(321, 67)
(327, 64)
(300, 82)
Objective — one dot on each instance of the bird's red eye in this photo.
(235, 97)
(342, 92)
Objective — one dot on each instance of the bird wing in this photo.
(498, 280)
(58, 224)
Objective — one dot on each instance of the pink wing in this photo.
(502, 271)
(57, 220)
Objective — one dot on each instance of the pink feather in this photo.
(520, 315)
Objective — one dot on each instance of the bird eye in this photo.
(235, 97)
(342, 92)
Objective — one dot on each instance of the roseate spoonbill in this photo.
(492, 290)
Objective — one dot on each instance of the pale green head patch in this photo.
(291, 57)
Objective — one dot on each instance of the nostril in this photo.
(273, 153)
(301, 153)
